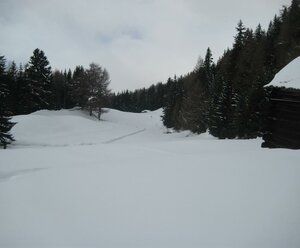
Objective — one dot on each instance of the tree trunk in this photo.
(99, 113)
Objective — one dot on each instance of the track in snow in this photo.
(9, 175)
(124, 136)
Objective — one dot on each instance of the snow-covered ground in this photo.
(73, 181)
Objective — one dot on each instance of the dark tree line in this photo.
(151, 98)
(35, 86)
(226, 98)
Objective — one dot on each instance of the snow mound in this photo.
(289, 76)
(76, 127)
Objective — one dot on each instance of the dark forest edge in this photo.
(226, 98)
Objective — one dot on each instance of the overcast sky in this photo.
(140, 42)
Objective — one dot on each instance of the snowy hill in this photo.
(74, 127)
(289, 76)
(73, 181)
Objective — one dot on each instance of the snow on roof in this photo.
(289, 76)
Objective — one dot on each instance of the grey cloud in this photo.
(139, 41)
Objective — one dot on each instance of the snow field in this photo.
(124, 182)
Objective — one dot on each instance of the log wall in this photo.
(282, 125)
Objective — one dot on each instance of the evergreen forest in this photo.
(226, 98)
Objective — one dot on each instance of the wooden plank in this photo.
(285, 99)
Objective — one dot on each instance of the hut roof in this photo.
(289, 76)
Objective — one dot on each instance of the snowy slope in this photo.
(72, 181)
(289, 76)
(73, 127)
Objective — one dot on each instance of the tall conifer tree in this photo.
(5, 123)
(37, 82)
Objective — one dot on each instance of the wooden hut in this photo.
(282, 122)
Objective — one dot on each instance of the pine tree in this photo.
(68, 101)
(194, 109)
(22, 105)
(221, 123)
(5, 123)
(289, 37)
(208, 68)
(14, 91)
(38, 82)
(79, 87)
(239, 38)
(58, 90)
(171, 112)
(272, 36)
